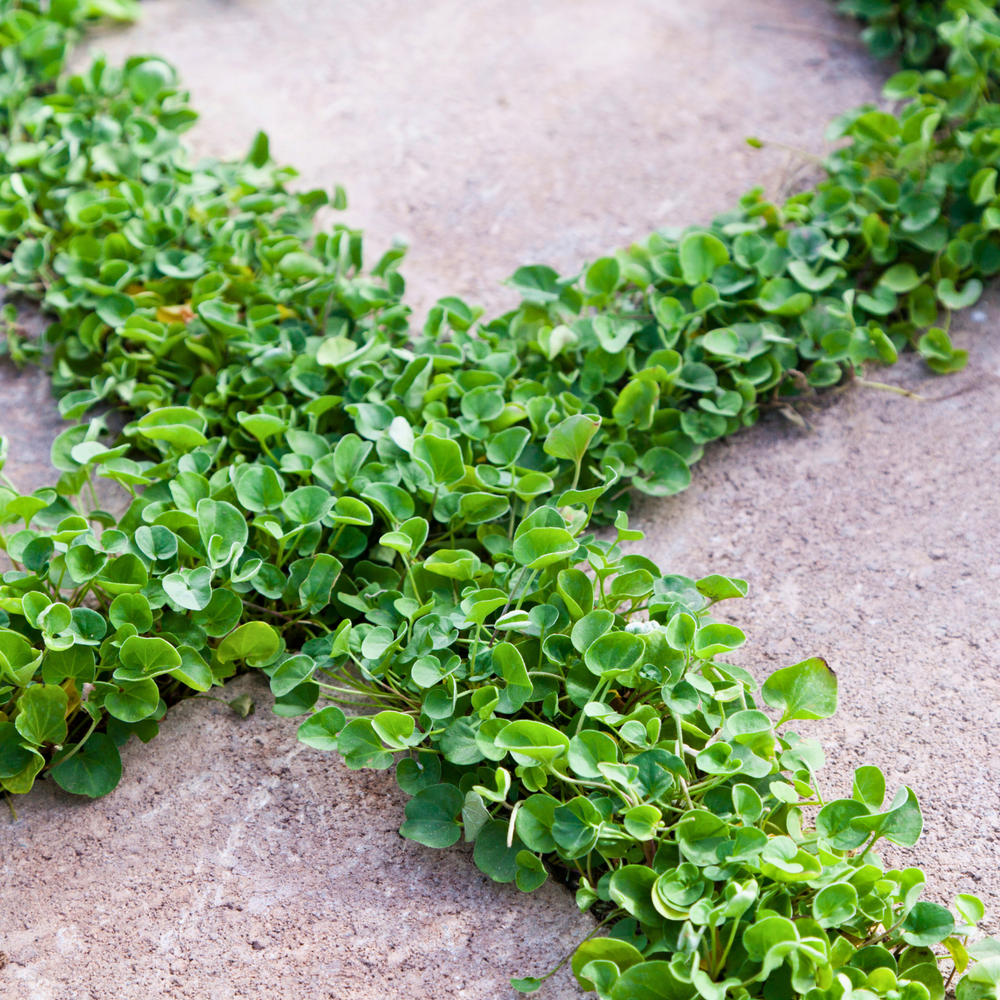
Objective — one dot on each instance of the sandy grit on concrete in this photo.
(232, 862)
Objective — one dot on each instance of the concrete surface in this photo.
(232, 862)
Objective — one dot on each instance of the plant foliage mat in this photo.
(395, 521)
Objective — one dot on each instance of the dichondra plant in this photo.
(394, 526)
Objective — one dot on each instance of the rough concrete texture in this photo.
(232, 862)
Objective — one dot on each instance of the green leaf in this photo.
(532, 742)
(835, 904)
(869, 786)
(193, 671)
(146, 657)
(322, 729)
(260, 489)
(948, 295)
(926, 924)
(454, 564)
(700, 255)
(94, 769)
(433, 816)
(527, 984)
(189, 588)
(699, 835)
(262, 426)
(806, 690)
(531, 873)
(475, 815)
(781, 297)
(614, 653)
(591, 627)
(941, 356)
(769, 940)
(541, 547)
(395, 505)
(135, 701)
(508, 662)
(571, 438)
(665, 472)
(636, 404)
(255, 642)
(900, 278)
(653, 980)
(291, 673)
(833, 824)
(414, 773)
(641, 822)
(179, 426)
(720, 638)
(348, 510)
(982, 187)
(505, 448)
(124, 574)
(440, 458)
(747, 803)
(901, 824)
(18, 659)
(77, 662)
(221, 614)
(601, 277)
(14, 756)
(131, 609)
(589, 748)
(970, 908)
(604, 949)
(721, 588)
(307, 504)
(478, 508)
(492, 855)
(396, 729)
(361, 747)
(223, 530)
(21, 782)
(41, 715)
(315, 589)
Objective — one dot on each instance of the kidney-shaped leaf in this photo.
(321, 730)
(93, 770)
(901, 824)
(143, 657)
(433, 816)
(532, 742)
(604, 949)
(255, 642)
(41, 716)
(806, 690)
(571, 438)
(541, 547)
(614, 653)
(718, 638)
(179, 426)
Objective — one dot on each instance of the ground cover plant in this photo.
(397, 521)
